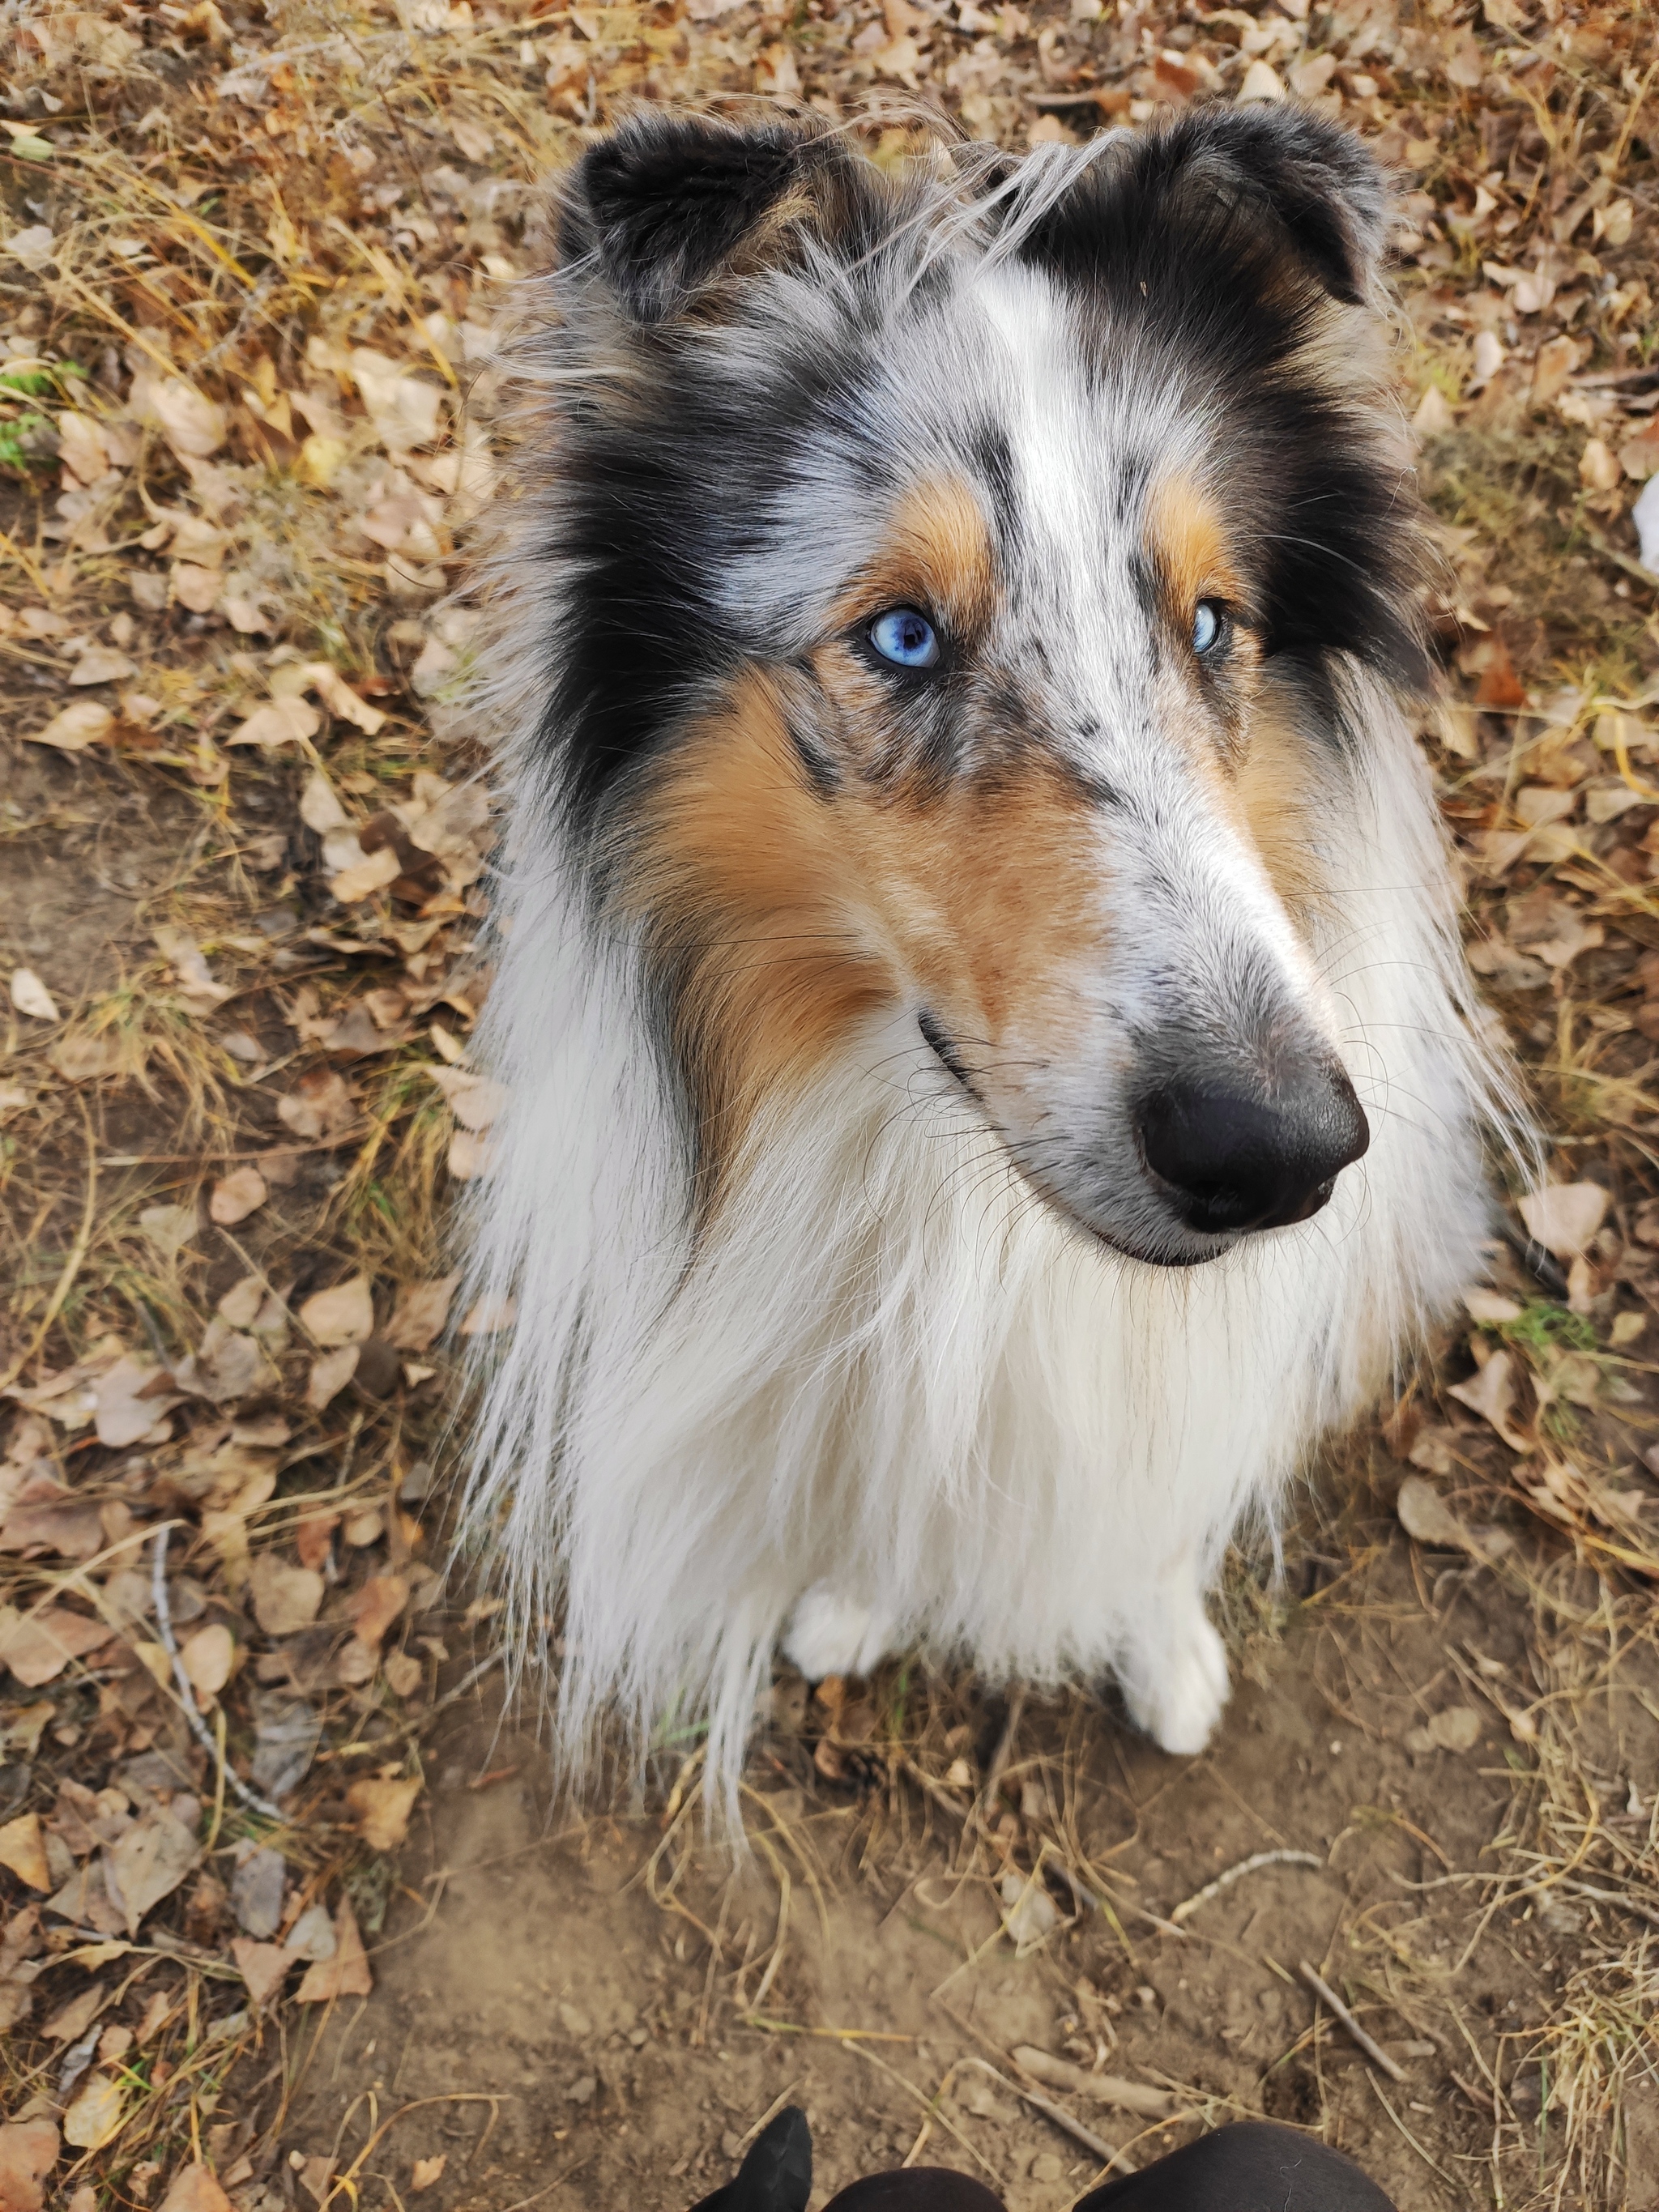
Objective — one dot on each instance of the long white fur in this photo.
(896, 1399)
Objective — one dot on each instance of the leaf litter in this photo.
(251, 267)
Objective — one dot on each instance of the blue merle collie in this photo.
(992, 1075)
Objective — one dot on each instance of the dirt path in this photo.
(565, 1967)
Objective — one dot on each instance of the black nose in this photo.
(1261, 1163)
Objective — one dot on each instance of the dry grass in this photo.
(227, 210)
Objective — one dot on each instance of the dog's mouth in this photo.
(1203, 1246)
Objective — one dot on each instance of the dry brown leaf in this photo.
(84, 722)
(148, 1862)
(377, 1605)
(132, 1399)
(474, 1100)
(403, 1675)
(264, 1966)
(285, 1598)
(324, 1105)
(95, 2113)
(313, 1537)
(23, 1849)
(102, 664)
(236, 1196)
(207, 1658)
(282, 723)
(1563, 1217)
(194, 2189)
(346, 1974)
(426, 2171)
(423, 1308)
(489, 1316)
(330, 1373)
(1490, 1392)
(28, 2152)
(382, 1810)
(190, 424)
(36, 1647)
(343, 1315)
(88, 1055)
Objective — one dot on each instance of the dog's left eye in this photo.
(905, 638)
(1206, 626)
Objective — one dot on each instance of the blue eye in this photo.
(1206, 626)
(905, 638)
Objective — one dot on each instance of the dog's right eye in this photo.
(906, 638)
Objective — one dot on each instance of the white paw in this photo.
(830, 1633)
(1175, 1687)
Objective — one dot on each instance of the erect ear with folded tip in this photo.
(668, 204)
(1316, 180)
(777, 2174)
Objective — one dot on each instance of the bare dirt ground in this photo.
(290, 1914)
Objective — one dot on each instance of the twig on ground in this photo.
(198, 1727)
(1372, 2049)
(1103, 2088)
(1057, 2114)
(1189, 1905)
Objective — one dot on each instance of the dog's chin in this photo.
(1168, 1243)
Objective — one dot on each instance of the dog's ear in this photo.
(1318, 183)
(1224, 185)
(776, 2176)
(668, 204)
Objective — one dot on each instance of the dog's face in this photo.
(957, 619)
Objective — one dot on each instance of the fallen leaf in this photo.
(1425, 1516)
(193, 2189)
(283, 722)
(77, 2016)
(346, 1974)
(312, 1936)
(22, 1849)
(207, 1658)
(403, 409)
(490, 1315)
(1563, 1217)
(403, 1675)
(236, 1196)
(148, 1862)
(102, 664)
(1490, 1392)
(428, 2170)
(190, 424)
(382, 1810)
(169, 1228)
(422, 1310)
(324, 1106)
(30, 996)
(28, 2152)
(1457, 1728)
(474, 1100)
(256, 1893)
(366, 877)
(343, 1315)
(285, 1598)
(330, 1373)
(84, 722)
(1260, 82)
(286, 1733)
(71, 1526)
(377, 1605)
(38, 1647)
(133, 1397)
(196, 589)
(264, 1966)
(95, 2113)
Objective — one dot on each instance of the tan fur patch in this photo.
(936, 554)
(1280, 786)
(783, 915)
(1188, 542)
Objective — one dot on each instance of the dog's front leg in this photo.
(832, 1632)
(1173, 1670)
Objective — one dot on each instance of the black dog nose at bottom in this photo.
(1242, 1163)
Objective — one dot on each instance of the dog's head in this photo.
(961, 585)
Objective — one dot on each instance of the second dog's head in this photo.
(960, 586)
